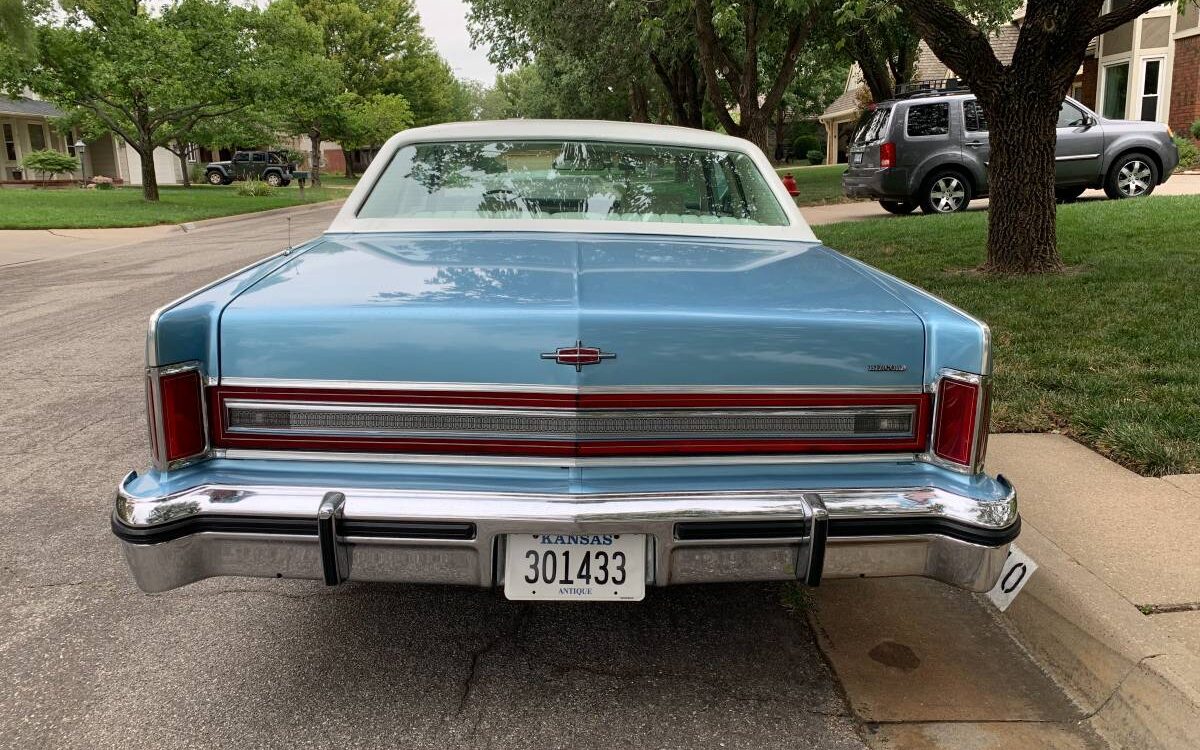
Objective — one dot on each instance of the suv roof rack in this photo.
(931, 87)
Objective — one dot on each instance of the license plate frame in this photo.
(613, 566)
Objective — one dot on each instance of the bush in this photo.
(1189, 154)
(50, 163)
(805, 143)
(256, 189)
(1196, 130)
(816, 156)
(100, 182)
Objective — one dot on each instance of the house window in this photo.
(928, 119)
(1151, 84)
(10, 143)
(37, 137)
(1116, 90)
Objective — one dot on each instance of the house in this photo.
(26, 124)
(1148, 69)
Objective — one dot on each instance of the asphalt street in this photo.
(88, 661)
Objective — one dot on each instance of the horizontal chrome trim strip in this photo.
(496, 512)
(1077, 157)
(384, 385)
(566, 424)
(563, 461)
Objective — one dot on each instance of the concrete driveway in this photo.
(88, 661)
(1180, 184)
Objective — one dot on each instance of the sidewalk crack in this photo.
(1120, 684)
(1162, 609)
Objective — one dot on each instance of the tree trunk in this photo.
(314, 157)
(349, 171)
(757, 129)
(183, 168)
(149, 177)
(1022, 212)
(639, 107)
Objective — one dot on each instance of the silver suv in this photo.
(932, 150)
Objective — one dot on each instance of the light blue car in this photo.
(570, 360)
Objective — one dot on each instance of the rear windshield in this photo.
(872, 125)
(573, 180)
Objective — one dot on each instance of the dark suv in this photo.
(271, 167)
(931, 150)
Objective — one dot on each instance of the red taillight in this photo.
(176, 416)
(957, 420)
(887, 155)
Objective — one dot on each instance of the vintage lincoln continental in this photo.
(570, 360)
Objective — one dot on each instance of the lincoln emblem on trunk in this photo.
(577, 356)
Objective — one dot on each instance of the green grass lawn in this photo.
(72, 208)
(338, 181)
(818, 185)
(1108, 353)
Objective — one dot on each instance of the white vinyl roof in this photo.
(347, 220)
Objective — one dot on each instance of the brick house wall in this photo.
(1185, 84)
(1090, 79)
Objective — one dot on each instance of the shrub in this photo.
(256, 189)
(100, 182)
(1196, 130)
(50, 163)
(816, 156)
(805, 143)
(1189, 154)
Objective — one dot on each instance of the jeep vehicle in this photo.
(271, 167)
(931, 149)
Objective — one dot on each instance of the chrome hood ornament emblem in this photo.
(579, 355)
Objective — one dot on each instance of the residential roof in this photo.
(929, 68)
(29, 107)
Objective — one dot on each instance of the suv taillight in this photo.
(960, 420)
(887, 155)
(175, 400)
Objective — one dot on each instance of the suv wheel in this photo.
(215, 178)
(273, 179)
(900, 208)
(945, 193)
(1131, 176)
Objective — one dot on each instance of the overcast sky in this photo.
(445, 21)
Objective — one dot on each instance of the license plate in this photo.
(856, 158)
(591, 567)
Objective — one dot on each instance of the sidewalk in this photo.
(1114, 608)
(925, 665)
(1180, 184)
(19, 246)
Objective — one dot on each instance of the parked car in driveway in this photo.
(931, 150)
(571, 360)
(272, 167)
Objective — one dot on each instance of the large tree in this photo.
(137, 72)
(748, 51)
(1021, 101)
(369, 121)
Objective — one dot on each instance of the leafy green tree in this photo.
(303, 85)
(369, 121)
(137, 72)
(50, 163)
(1021, 101)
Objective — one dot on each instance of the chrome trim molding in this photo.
(382, 385)
(282, 417)
(1077, 157)
(563, 461)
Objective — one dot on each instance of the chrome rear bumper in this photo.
(422, 536)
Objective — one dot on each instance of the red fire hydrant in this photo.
(789, 182)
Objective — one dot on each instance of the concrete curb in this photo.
(1140, 687)
(192, 226)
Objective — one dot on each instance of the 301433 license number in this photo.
(598, 567)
